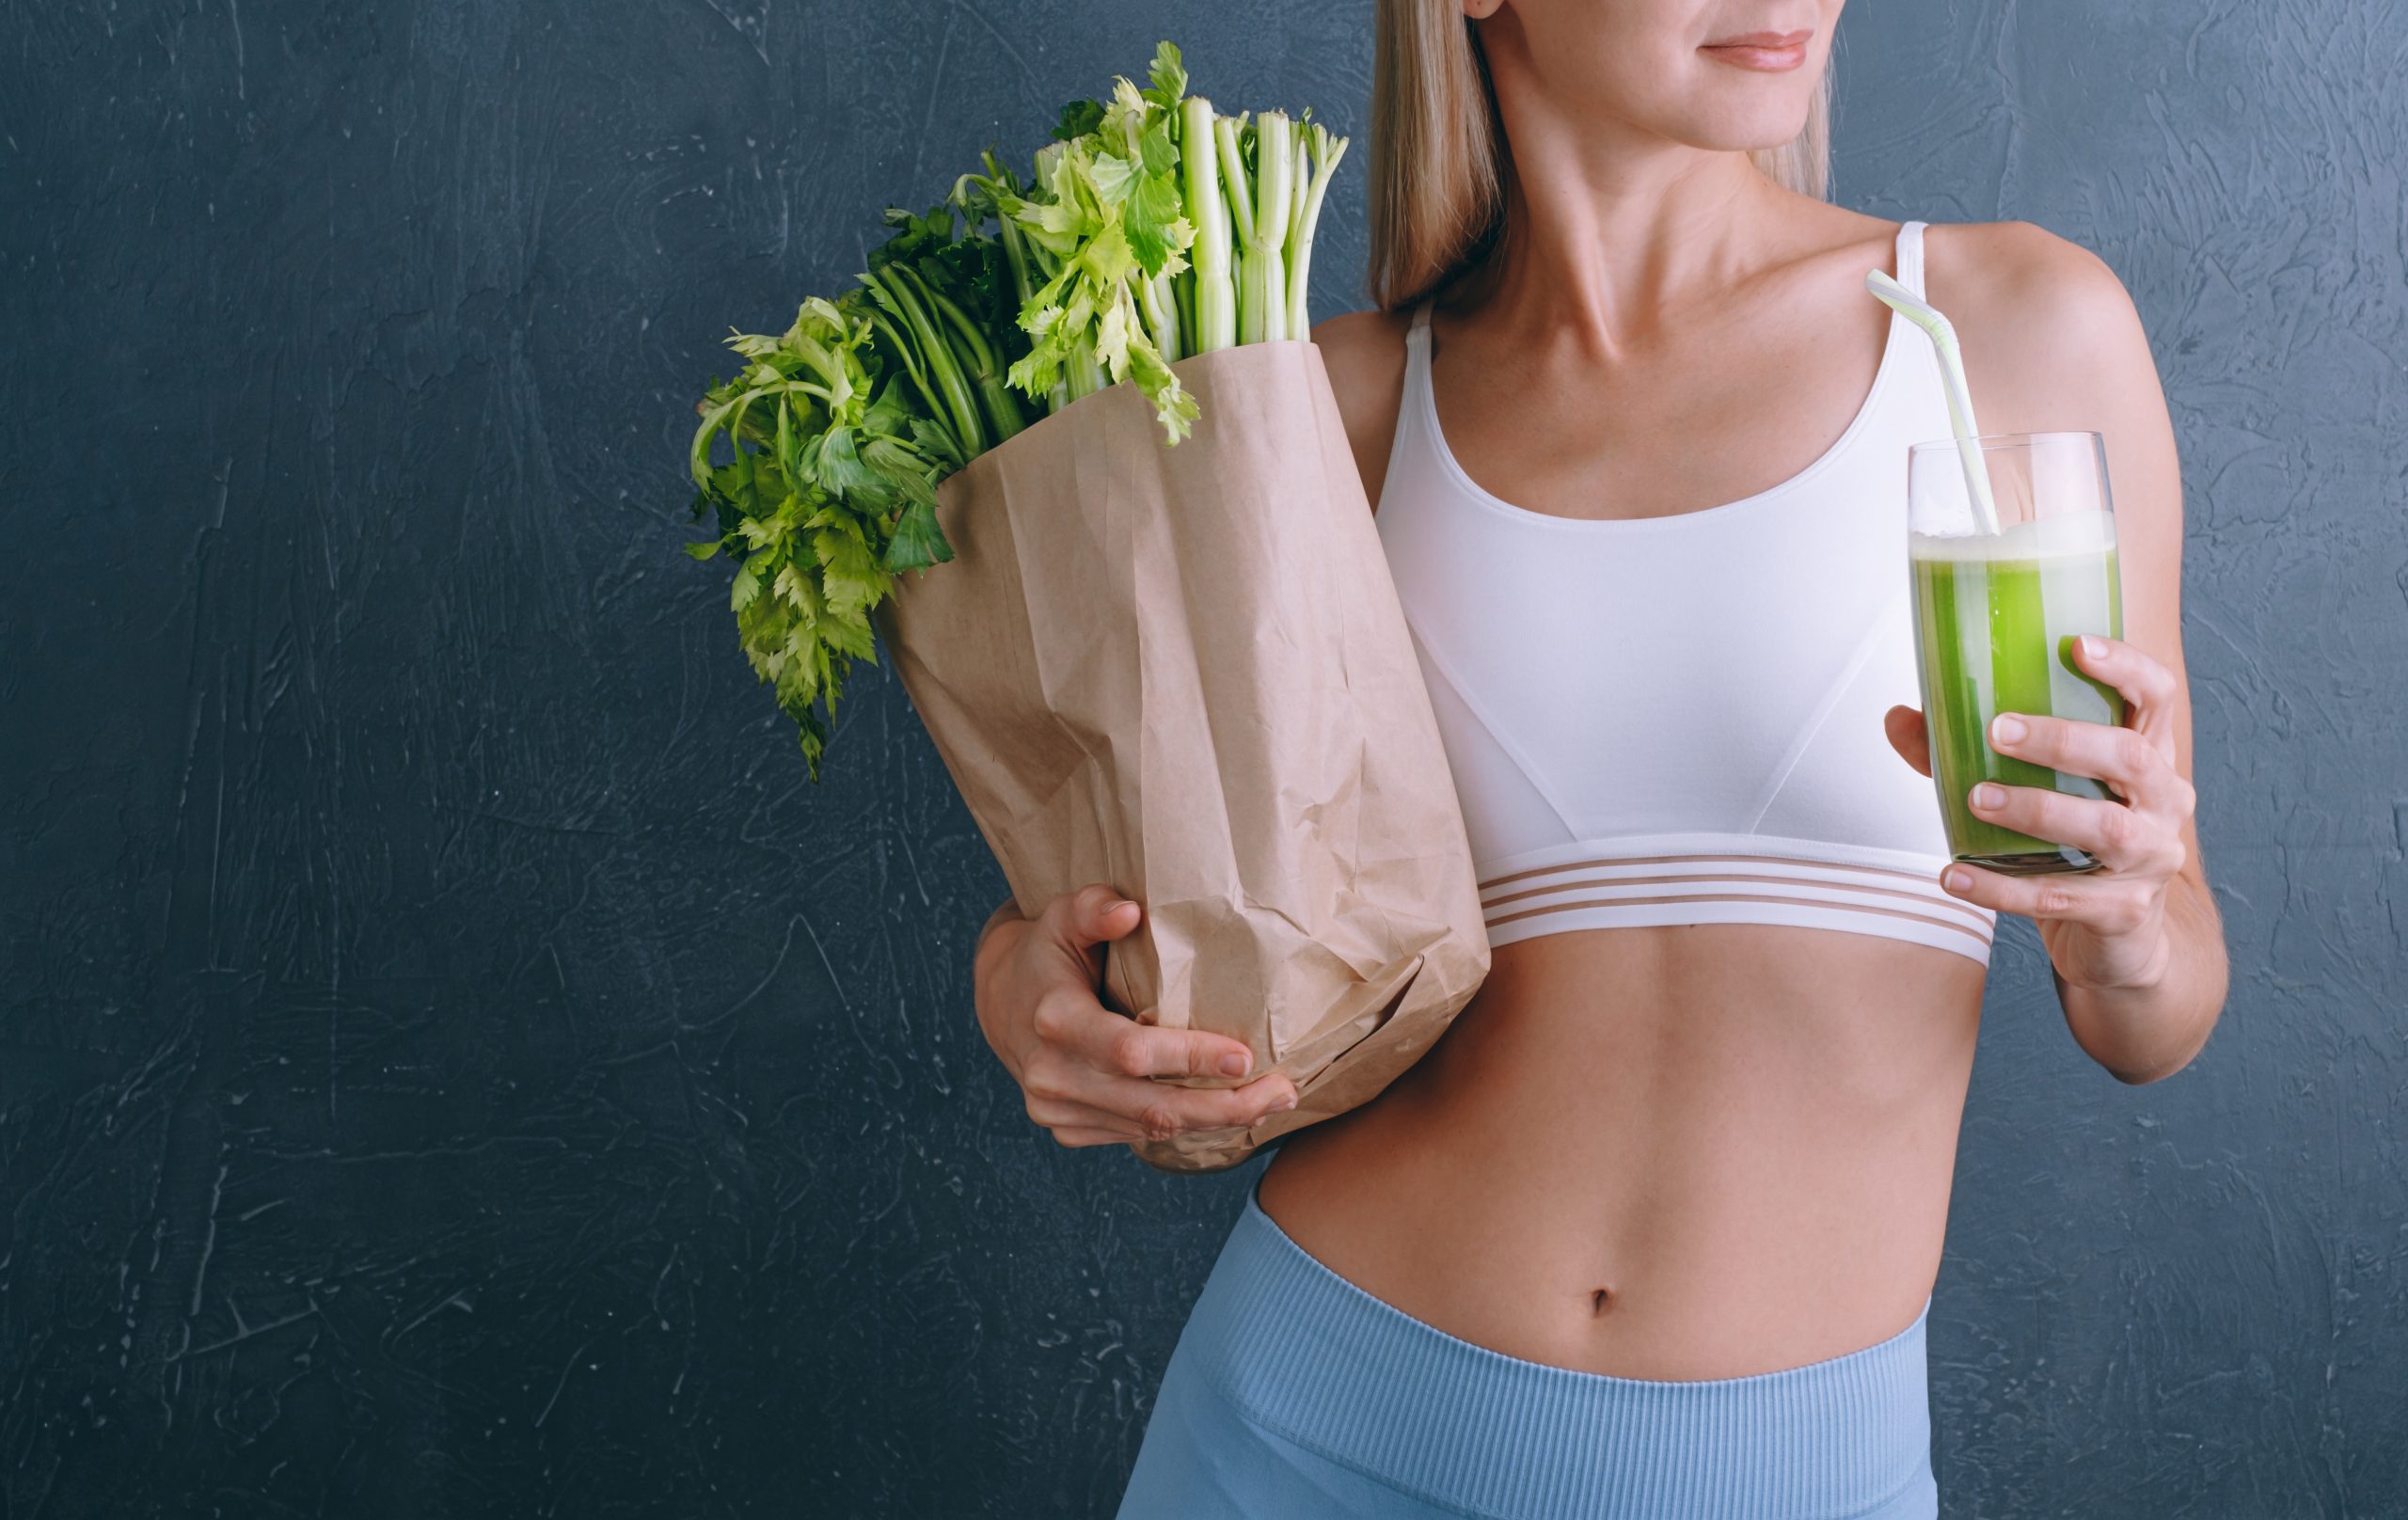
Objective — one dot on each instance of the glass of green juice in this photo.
(1996, 615)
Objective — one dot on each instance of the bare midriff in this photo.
(1667, 1154)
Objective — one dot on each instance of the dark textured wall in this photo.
(453, 1065)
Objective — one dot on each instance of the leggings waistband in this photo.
(1310, 1355)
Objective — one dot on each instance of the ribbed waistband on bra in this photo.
(1631, 877)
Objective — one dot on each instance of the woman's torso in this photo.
(1692, 1126)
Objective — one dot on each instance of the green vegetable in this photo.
(965, 286)
(1262, 272)
(1314, 143)
(830, 491)
(1108, 237)
(1212, 310)
(1151, 229)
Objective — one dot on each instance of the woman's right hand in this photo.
(1084, 1067)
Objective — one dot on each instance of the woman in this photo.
(1653, 1228)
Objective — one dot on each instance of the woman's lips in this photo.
(1770, 52)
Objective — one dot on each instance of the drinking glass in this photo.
(1996, 615)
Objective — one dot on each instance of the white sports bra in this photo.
(1677, 720)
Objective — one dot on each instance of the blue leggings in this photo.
(1293, 1393)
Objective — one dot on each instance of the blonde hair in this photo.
(1439, 156)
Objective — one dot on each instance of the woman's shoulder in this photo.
(2017, 274)
(2049, 333)
(1364, 352)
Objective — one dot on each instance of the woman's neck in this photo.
(1608, 232)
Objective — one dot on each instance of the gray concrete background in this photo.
(452, 1062)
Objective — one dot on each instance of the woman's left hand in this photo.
(2104, 928)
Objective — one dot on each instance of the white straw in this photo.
(1960, 399)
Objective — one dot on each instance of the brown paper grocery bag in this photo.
(1183, 672)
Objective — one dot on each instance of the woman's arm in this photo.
(2052, 342)
(1085, 1071)
(1364, 352)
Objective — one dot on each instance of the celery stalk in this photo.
(905, 349)
(1083, 372)
(1003, 416)
(1326, 150)
(1159, 308)
(961, 409)
(1015, 252)
(1300, 175)
(1234, 178)
(1214, 324)
(1262, 274)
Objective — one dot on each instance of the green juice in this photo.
(1995, 621)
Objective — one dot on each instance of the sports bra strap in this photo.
(1910, 256)
(1416, 367)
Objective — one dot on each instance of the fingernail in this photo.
(1234, 1064)
(1956, 880)
(2089, 646)
(1989, 797)
(2006, 729)
(1116, 904)
(1286, 1103)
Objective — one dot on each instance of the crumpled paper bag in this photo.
(1183, 672)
